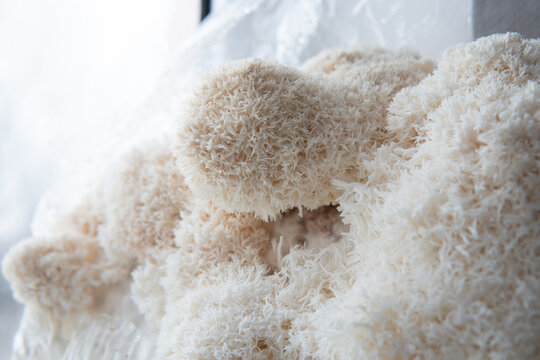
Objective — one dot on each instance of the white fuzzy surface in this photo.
(447, 241)
(432, 251)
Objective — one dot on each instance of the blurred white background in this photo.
(68, 68)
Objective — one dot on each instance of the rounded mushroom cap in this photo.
(262, 137)
(143, 197)
(60, 274)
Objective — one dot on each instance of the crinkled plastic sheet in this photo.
(288, 31)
